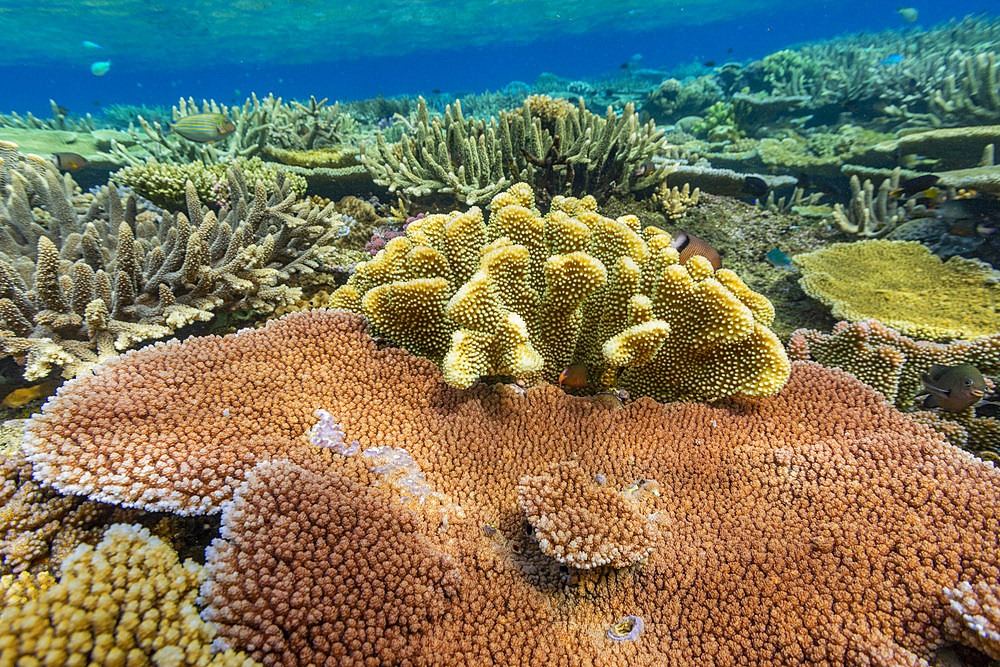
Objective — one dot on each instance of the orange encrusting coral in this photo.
(819, 526)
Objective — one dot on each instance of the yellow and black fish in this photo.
(920, 184)
(69, 161)
(204, 127)
(953, 388)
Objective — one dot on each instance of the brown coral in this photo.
(581, 521)
(379, 586)
(887, 360)
(819, 526)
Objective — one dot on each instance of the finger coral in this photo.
(526, 295)
(903, 285)
(819, 526)
(82, 277)
(127, 600)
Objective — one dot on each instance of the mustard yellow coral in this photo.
(906, 287)
(527, 294)
(127, 601)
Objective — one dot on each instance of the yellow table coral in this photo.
(903, 285)
(526, 295)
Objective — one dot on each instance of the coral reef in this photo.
(39, 527)
(765, 506)
(903, 285)
(526, 295)
(127, 600)
(165, 185)
(260, 123)
(557, 151)
(892, 363)
(84, 276)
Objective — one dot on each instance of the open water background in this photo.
(160, 51)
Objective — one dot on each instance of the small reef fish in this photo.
(909, 14)
(778, 259)
(825, 185)
(892, 60)
(69, 161)
(575, 376)
(689, 245)
(755, 187)
(94, 46)
(100, 68)
(21, 397)
(709, 63)
(204, 127)
(644, 169)
(953, 388)
(914, 186)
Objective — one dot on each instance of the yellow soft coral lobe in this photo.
(526, 295)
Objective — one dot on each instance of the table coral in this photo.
(127, 600)
(903, 285)
(526, 295)
(819, 526)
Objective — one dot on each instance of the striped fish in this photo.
(204, 127)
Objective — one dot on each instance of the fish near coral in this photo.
(909, 14)
(69, 161)
(689, 245)
(204, 127)
(914, 186)
(953, 388)
(575, 376)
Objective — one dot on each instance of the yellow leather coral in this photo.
(526, 295)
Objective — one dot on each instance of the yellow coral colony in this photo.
(528, 294)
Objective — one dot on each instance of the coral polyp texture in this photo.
(126, 601)
(525, 295)
(887, 360)
(85, 276)
(409, 530)
(905, 286)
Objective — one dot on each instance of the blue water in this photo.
(187, 49)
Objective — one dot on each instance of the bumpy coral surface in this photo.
(127, 601)
(819, 526)
(901, 284)
(887, 360)
(527, 295)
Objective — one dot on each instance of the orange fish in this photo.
(689, 245)
(574, 376)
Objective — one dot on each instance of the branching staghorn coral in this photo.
(74, 288)
(555, 149)
(526, 295)
(870, 214)
(259, 123)
(60, 121)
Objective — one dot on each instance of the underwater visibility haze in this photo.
(499, 333)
